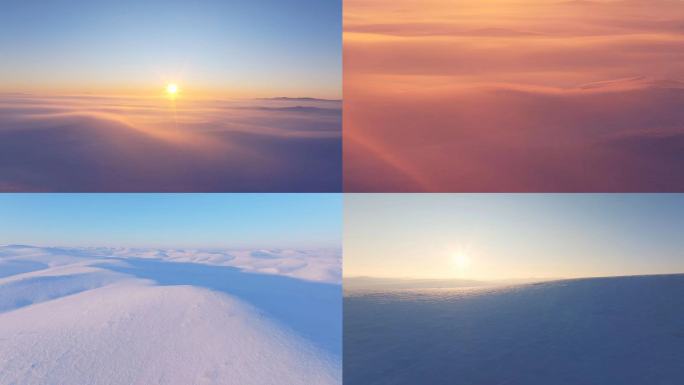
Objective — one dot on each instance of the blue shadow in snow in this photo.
(10, 268)
(29, 291)
(311, 309)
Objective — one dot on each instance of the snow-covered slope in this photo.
(122, 316)
(623, 330)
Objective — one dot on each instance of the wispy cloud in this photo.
(509, 95)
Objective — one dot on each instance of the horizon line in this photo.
(510, 278)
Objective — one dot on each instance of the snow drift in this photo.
(134, 316)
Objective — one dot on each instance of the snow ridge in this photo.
(157, 316)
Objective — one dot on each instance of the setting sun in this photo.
(172, 89)
(461, 262)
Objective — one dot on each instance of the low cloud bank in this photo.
(529, 95)
(118, 144)
(625, 135)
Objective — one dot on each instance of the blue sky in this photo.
(508, 236)
(265, 47)
(172, 220)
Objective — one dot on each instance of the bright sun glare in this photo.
(461, 262)
(172, 89)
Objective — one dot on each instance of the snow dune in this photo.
(622, 330)
(134, 316)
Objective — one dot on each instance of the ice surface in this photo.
(624, 330)
(144, 316)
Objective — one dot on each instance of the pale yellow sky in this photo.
(512, 236)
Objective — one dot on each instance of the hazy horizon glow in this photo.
(170, 96)
(512, 236)
(169, 144)
(209, 47)
(172, 220)
(513, 96)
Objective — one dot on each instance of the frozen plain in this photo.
(152, 316)
(594, 331)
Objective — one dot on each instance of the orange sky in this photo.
(509, 95)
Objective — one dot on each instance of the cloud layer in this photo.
(514, 96)
(133, 144)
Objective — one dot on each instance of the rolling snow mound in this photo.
(133, 316)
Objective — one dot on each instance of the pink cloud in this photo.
(514, 96)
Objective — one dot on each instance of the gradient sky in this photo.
(513, 95)
(511, 236)
(226, 47)
(172, 220)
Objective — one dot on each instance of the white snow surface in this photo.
(143, 316)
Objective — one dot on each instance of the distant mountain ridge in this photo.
(300, 99)
(373, 283)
